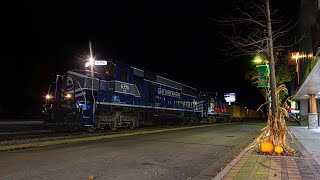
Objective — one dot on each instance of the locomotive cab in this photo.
(61, 107)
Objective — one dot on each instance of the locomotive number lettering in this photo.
(124, 87)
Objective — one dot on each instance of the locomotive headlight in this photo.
(68, 96)
(48, 96)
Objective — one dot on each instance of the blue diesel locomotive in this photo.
(118, 95)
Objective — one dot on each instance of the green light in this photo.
(257, 60)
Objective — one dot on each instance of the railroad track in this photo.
(51, 133)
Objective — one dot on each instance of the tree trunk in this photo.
(273, 83)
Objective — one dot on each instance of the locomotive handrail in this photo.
(83, 94)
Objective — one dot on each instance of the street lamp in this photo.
(263, 70)
(263, 75)
(257, 60)
(91, 63)
(296, 56)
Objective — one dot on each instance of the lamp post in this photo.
(296, 56)
(263, 70)
(263, 75)
(91, 62)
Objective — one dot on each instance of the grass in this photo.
(293, 123)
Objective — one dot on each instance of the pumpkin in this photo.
(278, 149)
(266, 147)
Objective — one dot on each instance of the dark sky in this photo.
(174, 39)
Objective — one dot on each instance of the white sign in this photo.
(230, 97)
(100, 63)
(293, 111)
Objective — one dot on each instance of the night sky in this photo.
(174, 39)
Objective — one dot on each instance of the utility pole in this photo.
(273, 82)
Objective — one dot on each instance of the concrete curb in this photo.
(230, 165)
(93, 138)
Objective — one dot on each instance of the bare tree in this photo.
(247, 30)
(253, 32)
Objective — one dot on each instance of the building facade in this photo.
(307, 86)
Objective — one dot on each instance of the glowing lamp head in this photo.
(91, 61)
(257, 60)
(48, 97)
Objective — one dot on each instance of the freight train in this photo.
(108, 94)
(215, 109)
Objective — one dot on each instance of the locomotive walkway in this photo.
(249, 164)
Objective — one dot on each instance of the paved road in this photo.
(184, 154)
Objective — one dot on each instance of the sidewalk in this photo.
(306, 165)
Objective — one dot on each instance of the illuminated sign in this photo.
(97, 63)
(167, 92)
(100, 63)
(230, 97)
(293, 105)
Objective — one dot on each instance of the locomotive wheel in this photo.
(135, 122)
(196, 120)
(75, 123)
(132, 126)
(113, 127)
(96, 126)
(182, 122)
(91, 129)
(71, 128)
(115, 120)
